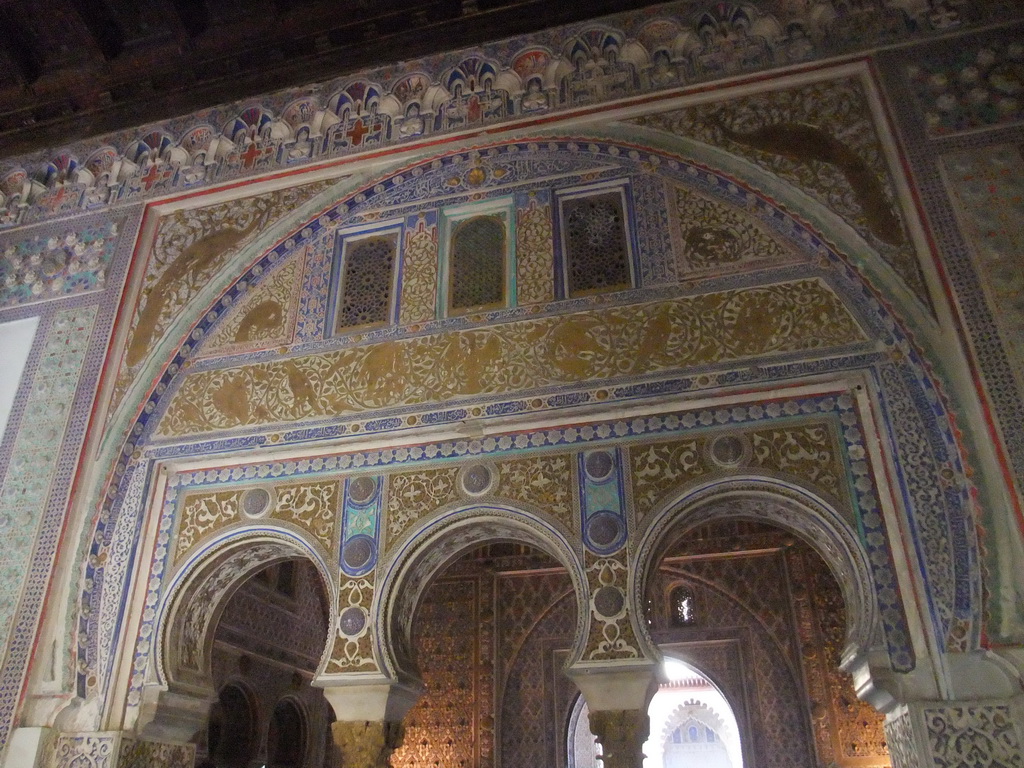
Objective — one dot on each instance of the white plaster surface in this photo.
(15, 344)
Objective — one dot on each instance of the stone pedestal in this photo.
(966, 734)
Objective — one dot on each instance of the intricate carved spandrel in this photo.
(367, 744)
(621, 734)
(981, 734)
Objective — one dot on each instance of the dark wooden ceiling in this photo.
(76, 68)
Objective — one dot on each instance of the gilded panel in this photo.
(310, 506)
(535, 257)
(415, 494)
(542, 482)
(658, 468)
(353, 640)
(190, 247)
(820, 137)
(598, 344)
(709, 236)
(809, 452)
(203, 513)
(263, 319)
(419, 273)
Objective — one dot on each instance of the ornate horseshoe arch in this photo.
(795, 510)
(199, 592)
(435, 544)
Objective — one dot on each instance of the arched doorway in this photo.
(692, 725)
(268, 643)
(492, 634)
(756, 609)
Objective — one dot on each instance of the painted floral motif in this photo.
(419, 273)
(637, 340)
(534, 253)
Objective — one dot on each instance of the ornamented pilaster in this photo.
(367, 744)
(621, 734)
(979, 734)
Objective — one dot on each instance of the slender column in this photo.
(617, 697)
(621, 734)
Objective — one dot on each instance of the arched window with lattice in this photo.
(682, 607)
(596, 252)
(364, 281)
(478, 257)
(477, 264)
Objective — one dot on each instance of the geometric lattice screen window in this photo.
(364, 296)
(596, 245)
(683, 607)
(476, 266)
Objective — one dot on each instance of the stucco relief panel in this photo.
(820, 137)
(636, 340)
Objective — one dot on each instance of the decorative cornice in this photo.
(513, 80)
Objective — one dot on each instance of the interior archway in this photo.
(440, 541)
(766, 623)
(188, 655)
(491, 636)
(794, 510)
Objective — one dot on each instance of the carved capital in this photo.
(368, 743)
(621, 734)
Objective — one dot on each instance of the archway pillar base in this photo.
(617, 698)
(113, 749)
(369, 719)
(949, 734)
(173, 716)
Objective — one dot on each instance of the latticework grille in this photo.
(595, 239)
(365, 297)
(477, 267)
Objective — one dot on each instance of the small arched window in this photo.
(682, 606)
(476, 275)
(367, 277)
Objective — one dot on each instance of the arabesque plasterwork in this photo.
(620, 341)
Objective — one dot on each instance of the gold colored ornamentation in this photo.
(535, 257)
(354, 653)
(263, 319)
(611, 633)
(621, 734)
(540, 481)
(203, 513)
(189, 248)
(659, 467)
(820, 137)
(419, 275)
(809, 452)
(642, 339)
(310, 506)
(413, 495)
(709, 235)
(367, 743)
